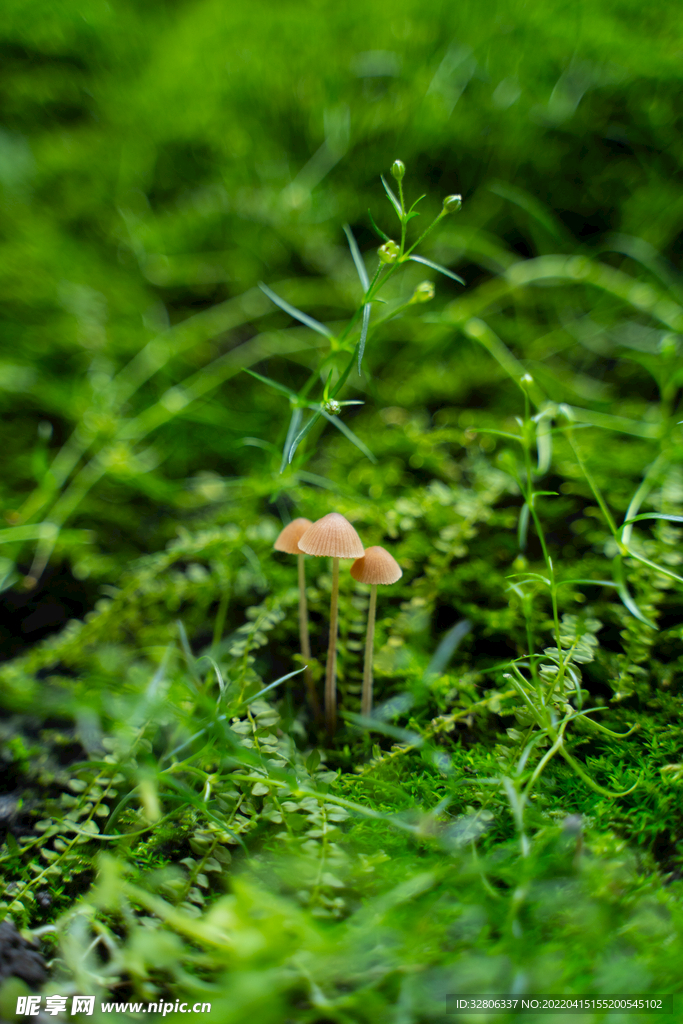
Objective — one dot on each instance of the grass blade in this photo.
(342, 380)
(39, 531)
(363, 334)
(187, 651)
(340, 425)
(436, 266)
(654, 565)
(219, 676)
(447, 646)
(607, 421)
(600, 583)
(378, 231)
(276, 683)
(535, 209)
(523, 526)
(357, 258)
(500, 433)
(272, 384)
(302, 434)
(624, 595)
(291, 434)
(529, 576)
(654, 515)
(303, 318)
(544, 444)
(392, 198)
(377, 725)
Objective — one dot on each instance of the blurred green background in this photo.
(158, 160)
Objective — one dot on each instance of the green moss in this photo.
(510, 819)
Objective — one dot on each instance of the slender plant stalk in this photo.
(366, 695)
(65, 486)
(331, 673)
(220, 618)
(305, 642)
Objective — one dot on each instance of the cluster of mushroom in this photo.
(334, 537)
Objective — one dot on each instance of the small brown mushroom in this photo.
(333, 537)
(288, 541)
(376, 566)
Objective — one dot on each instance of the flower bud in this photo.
(332, 406)
(424, 292)
(388, 253)
(452, 204)
(398, 170)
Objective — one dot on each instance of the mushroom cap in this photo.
(376, 566)
(332, 536)
(288, 539)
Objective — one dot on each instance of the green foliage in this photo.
(174, 825)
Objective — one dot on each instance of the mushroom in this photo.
(288, 541)
(333, 537)
(376, 566)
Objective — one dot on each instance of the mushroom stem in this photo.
(331, 673)
(366, 695)
(303, 634)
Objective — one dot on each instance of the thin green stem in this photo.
(642, 492)
(526, 609)
(404, 223)
(595, 489)
(520, 685)
(530, 499)
(219, 622)
(342, 380)
(541, 765)
(424, 234)
(391, 315)
(379, 283)
(373, 288)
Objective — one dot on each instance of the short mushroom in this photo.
(376, 566)
(288, 541)
(335, 538)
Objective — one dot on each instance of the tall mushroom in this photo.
(288, 541)
(335, 538)
(376, 566)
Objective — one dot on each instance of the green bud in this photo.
(424, 292)
(388, 253)
(398, 170)
(332, 406)
(452, 204)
